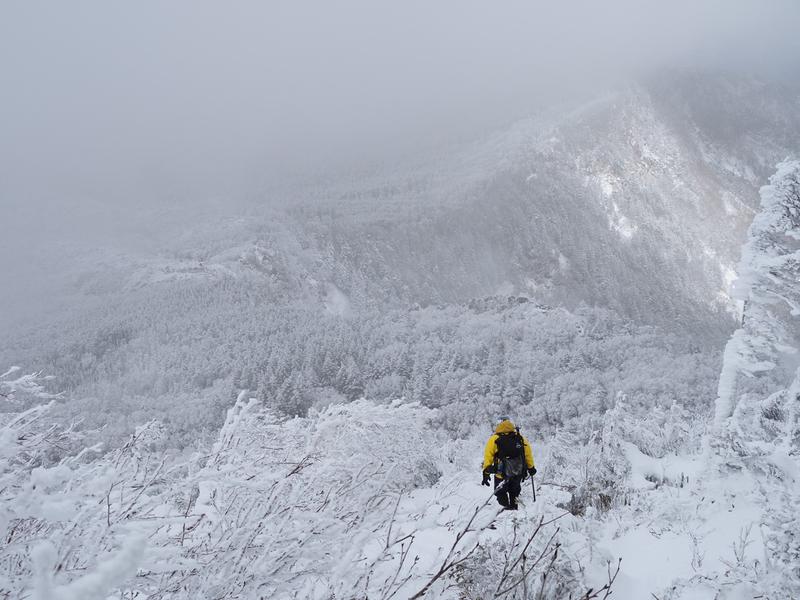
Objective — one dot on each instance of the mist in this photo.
(271, 273)
(120, 103)
(108, 108)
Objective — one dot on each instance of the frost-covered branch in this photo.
(456, 555)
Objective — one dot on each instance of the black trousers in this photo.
(508, 495)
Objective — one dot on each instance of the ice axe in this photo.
(533, 487)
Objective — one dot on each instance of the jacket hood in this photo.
(505, 427)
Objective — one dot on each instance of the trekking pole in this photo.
(533, 487)
(500, 487)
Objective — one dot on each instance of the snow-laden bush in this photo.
(276, 508)
(525, 563)
(346, 503)
(592, 471)
(299, 499)
(49, 516)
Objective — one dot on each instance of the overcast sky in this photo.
(115, 100)
(107, 105)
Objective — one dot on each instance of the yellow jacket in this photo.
(491, 446)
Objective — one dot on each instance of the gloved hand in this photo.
(485, 478)
(532, 471)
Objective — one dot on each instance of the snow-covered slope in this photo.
(722, 522)
(629, 202)
(638, 201)
(755, 445)
(358, 500)
(573, 270)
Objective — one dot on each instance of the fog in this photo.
(270, 272)
(107, 106)
(114, 101)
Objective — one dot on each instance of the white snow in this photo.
(336, 301)
(621, 224)
(606, 184)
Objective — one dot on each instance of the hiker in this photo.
(509, 456)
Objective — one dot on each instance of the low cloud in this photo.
(120, 102)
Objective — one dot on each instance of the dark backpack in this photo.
(510, 456)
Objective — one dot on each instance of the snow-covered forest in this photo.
(286, 393)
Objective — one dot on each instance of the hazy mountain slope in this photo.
(637, 201)
(626, 204)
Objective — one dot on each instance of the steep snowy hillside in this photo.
(622, 203)
(279, 508)
(722, 522)
(638, 202)
(293, 402)
(630, 204)
(755, 447)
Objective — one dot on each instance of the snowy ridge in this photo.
(318, 507)
(757, 438)
(722, 523)
(751, 483)
(568, 207)
(770, 255)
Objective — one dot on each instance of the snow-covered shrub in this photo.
(51, 515)
(299, 499)
(276, 507)
(655, 431)
(593, 471)
(525, 562)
